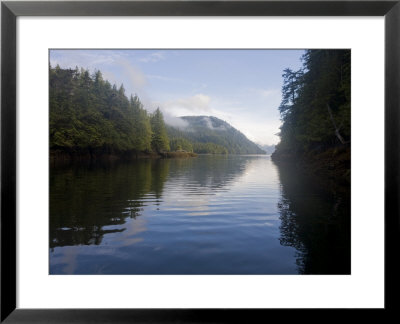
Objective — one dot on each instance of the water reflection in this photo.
(315, 220)
(88, 201)
(205, 215)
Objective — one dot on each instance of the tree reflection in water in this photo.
(315, 220)
(89, 201)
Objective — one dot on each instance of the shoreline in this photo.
(333, 163)
(59, 156)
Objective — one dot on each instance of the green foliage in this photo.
(179, 144)
(212, 135)
(315, 107)
(88, 115)
(209, 148)
(159, 139)
(141, 125)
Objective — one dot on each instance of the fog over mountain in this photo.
(208, 134)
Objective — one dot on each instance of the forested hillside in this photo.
(315, 111)
(208, 134)
(90, 118)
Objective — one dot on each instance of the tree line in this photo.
(89, 115)
(208, 134)
(315, 107)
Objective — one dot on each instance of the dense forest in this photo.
(315, 111)
(90, 118)
(208, 134)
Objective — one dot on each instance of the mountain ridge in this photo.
(209, 134)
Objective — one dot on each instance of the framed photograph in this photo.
(191, 161)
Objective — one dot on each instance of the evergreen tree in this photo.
(159, 141)
(315, 107)
(141, 126)
(88, 115)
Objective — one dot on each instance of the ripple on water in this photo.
(205, 215)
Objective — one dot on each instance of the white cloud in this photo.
(194, 105)
(252, 110)
(174, 121)
(259, 129)
(153, 57)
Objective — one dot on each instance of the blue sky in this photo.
(242, 87)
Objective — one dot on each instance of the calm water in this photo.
(204, 215)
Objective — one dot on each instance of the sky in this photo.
(241, 87)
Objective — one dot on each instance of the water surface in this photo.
(204, 215)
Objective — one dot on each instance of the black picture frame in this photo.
(10, 10)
